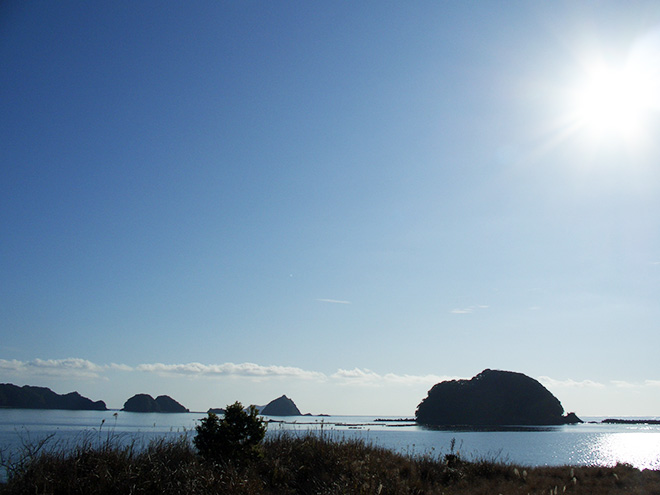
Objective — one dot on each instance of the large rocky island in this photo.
(146, 403)
(492, 398)
(28, 397)
(282, 406)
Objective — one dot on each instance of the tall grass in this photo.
(297, 463)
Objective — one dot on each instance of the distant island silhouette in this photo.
(29, 397)
(145, 403)
(492, 398)
(282, 406)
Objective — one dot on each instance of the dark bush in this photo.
(236, 437)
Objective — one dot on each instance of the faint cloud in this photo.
(469, 309)
(82, 368)
(534, 308)
(624, 384)
(414, 379)
(12, 365)
(361, 376)
(570, 383)
(71, 367)
(632, 385)
(119, 367)
(356, 374)
(365, 376)
(250, 370)
(334, 301)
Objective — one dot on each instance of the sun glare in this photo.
(618, 102)
(613, 102)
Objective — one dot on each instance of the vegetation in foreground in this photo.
(291, 463)
(309, 464)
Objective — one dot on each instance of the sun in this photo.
(613, 102)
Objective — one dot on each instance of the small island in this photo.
(145, 403)
(29, 397)
(492, 398)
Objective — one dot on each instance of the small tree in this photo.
(235, 437)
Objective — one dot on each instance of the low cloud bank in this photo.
(81, 368)
(551, 383)
(70, 367)
(250, 370)
(77, 368)
(358, 376)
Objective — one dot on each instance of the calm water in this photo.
(586, 444)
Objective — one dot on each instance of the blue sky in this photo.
(345, 202)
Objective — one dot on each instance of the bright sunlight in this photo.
(614, 103)
(619, 101)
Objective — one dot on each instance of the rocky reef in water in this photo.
(282, 406)
(492, 398)
(28, 397)
(637, 421)
(146, 403)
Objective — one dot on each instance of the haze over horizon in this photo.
(341, 202)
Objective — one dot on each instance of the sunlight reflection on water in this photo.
(583, 445)
(639, 449)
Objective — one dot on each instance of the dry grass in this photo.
(300, 464)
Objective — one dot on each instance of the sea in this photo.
(590, 443)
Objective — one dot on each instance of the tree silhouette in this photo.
(236, 437)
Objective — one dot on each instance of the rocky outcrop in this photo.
(282, 406)
(146, 403)
(141, 403)
(492, 398)
(28, 397)
(168, 404)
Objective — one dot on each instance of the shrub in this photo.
(236, 437)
